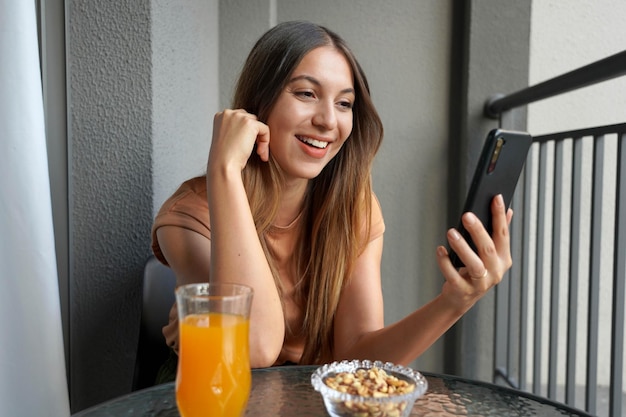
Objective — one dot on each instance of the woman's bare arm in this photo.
(236, 252)
(188, 253)
(359, 331)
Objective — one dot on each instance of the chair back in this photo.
(159, 283)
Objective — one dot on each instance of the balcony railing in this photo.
(560, 315)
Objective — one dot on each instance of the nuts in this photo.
(371, 383)
(374, 382)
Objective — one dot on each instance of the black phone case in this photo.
(492, 179)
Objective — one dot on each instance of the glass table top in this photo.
(287, 391)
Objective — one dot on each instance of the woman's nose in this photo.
(325, 116)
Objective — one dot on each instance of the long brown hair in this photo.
(336, 214)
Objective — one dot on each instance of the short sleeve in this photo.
(187, 208)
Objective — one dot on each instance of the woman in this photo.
(287, 208)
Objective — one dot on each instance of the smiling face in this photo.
(312, 117)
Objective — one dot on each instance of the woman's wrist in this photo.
(455, 305)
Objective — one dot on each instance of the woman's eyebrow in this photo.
(314, 80)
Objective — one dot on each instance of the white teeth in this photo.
(313, 142)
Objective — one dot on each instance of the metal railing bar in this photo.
(541, 232)
(524, 272)
(512, 331)
(591, 131)
(501, 318)
(594, 73)
(574, 270)
(516, 278)
(502, 373)
(594, 282)
(503, 321)
(556, 269)
(619, 286)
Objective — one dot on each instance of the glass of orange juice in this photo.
(213, 377)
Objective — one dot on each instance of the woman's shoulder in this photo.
(376, 207)
(196, 185)
(377, 221)
(187, 207)
(191, 194)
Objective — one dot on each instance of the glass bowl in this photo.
(366, 398)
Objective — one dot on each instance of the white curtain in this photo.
(32, 364)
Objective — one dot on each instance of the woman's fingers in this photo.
(483, 242)
(501, 219)
(473, 261)
(484, 268)
(492, 251)
(235, 133)
(263, 142)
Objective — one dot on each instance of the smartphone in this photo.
(499, 167)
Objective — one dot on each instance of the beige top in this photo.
(188, 208)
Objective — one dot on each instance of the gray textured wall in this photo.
(109, 64)
(185, 90)
(142, 89)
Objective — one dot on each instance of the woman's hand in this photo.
(483, 269)
(235, 132)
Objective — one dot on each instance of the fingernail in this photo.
(500, 200)
(441, 251)
(470, 218)
(454, 234)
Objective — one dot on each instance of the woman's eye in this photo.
(347, 105)
(305, 94)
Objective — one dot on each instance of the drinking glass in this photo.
(213, 377)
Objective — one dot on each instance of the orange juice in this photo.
(213, 366)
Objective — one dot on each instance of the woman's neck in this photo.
(291, 202)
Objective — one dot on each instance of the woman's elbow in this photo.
(263, 356)
(266, 343)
